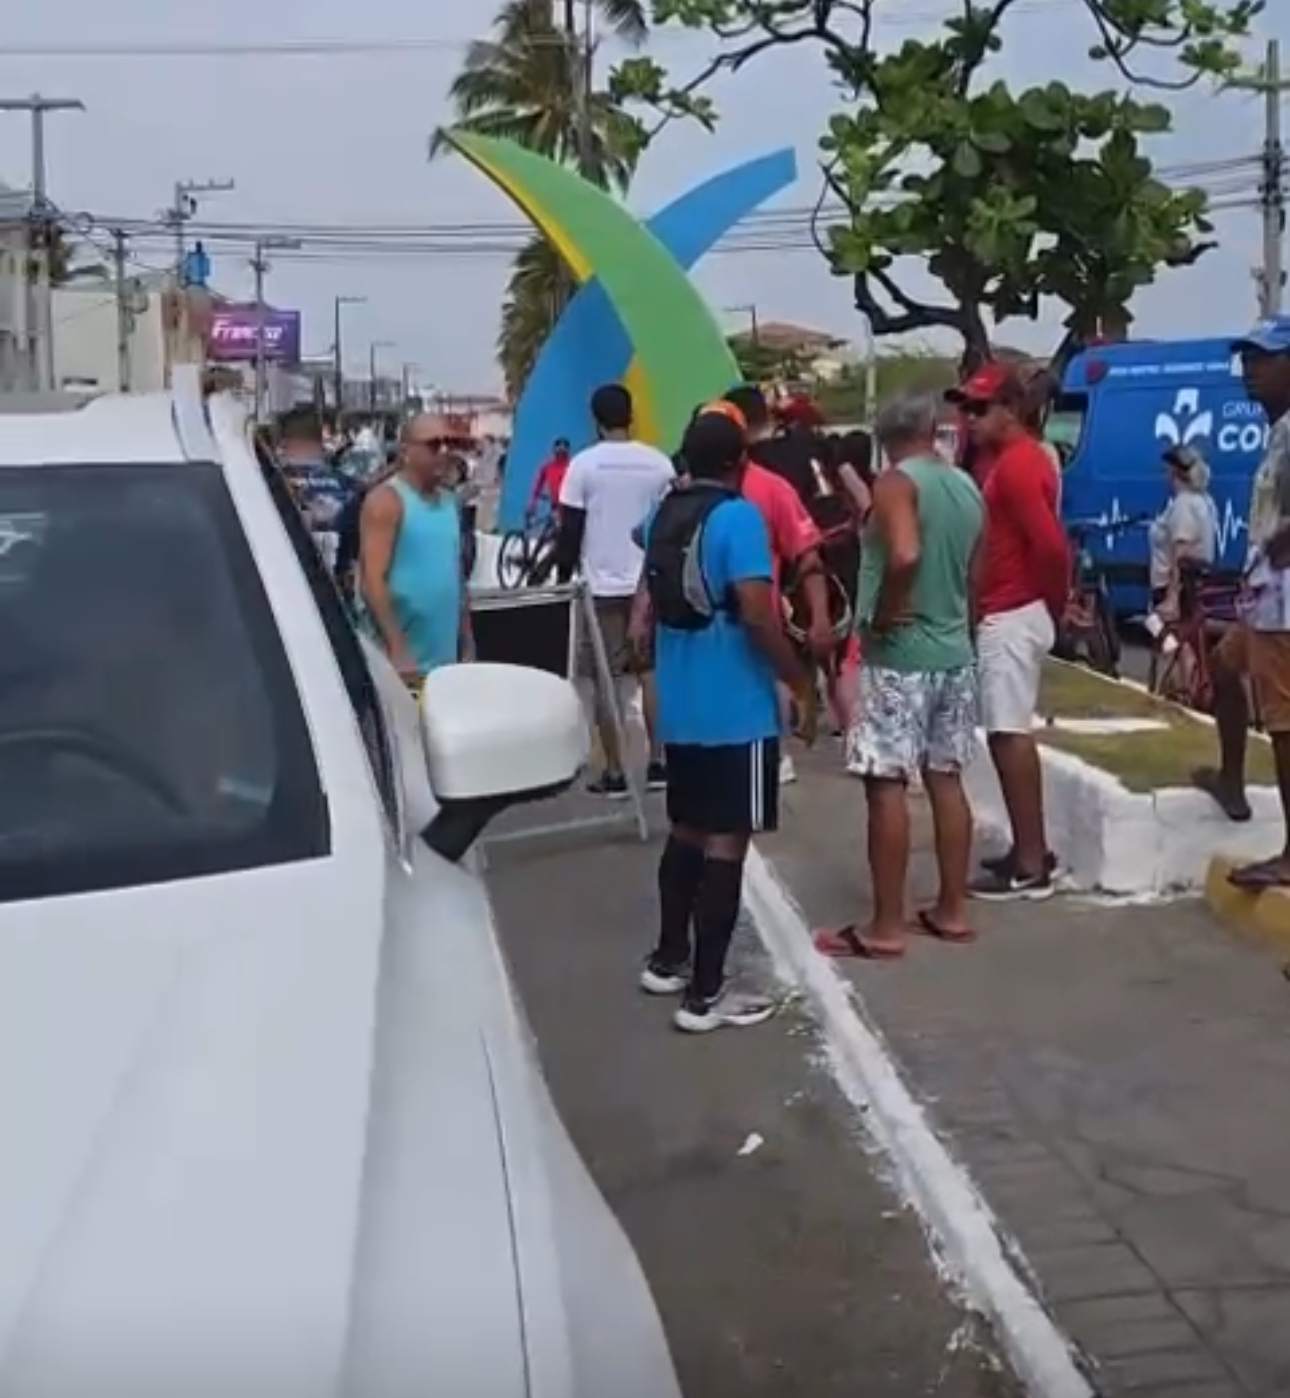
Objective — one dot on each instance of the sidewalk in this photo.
(1117, 1083)
(782, 1262)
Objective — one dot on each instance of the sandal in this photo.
(1256, 878)
(928, 925)
(846, 942)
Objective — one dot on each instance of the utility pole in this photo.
(338, 355)
(124, 315)
(185, 206)
(40, 296)
(260, 266)
(1272, 191)
(371, 370)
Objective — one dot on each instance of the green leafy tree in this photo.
(1007, 198)
(762, 363)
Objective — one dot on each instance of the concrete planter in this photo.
(1112, 840)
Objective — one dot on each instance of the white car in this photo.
(273, 1126)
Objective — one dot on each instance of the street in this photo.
(781, 1260)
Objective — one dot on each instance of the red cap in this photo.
(801, 411)
(990, 383)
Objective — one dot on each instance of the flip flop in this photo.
(845, 943)
(1255, 878)
(1234, 807)
(928, 925)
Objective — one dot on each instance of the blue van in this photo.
(1121, 406)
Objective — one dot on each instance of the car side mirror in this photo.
(496, 736)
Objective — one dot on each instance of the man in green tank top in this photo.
(917, 708)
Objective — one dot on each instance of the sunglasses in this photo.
(975, 407)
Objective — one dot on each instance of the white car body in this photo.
(282, 1133)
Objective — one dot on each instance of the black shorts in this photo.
(729, 790)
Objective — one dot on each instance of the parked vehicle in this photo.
(1121, 407)
(273, 1121)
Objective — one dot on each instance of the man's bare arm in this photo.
(895, 516)
(759, 613)
(379, 527)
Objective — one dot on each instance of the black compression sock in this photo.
(714, 924)
(680, 872)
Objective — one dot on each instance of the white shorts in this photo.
(1011, 647)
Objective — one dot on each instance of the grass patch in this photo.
(1142, 761)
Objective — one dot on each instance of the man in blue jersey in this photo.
(720, 646)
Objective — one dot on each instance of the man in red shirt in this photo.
(1021, 586)
(550, 478)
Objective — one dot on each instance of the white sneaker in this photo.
(787, 771)
(732, 1009)
(660, 980)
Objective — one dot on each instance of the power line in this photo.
(910, 18)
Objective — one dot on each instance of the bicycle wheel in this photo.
(1101, 643)
(513, 560)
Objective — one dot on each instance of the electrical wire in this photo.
(911, 17)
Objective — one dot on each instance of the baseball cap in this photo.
(1270, 336)
(714, 443)
(800, 411)
(991, 383)
(723, 407)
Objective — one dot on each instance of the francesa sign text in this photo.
(235, 335)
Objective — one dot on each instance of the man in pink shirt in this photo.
(794, 537)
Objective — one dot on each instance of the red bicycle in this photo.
(1181, 667)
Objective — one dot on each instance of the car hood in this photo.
(184, 1084)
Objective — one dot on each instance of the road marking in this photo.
(967, 1238)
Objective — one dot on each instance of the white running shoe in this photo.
(787, 771)
(732, 1009)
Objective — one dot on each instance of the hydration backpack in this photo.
(673, 557)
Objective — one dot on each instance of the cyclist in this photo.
(550, 479)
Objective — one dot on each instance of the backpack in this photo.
(673, 557)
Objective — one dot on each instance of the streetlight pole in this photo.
(40, 308)
(338, 356)
(260, 266)
(185, 206)
(371, 370)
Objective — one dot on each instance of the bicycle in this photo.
(1181, 669)
(526, 556)
(1087, 634)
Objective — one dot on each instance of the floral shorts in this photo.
(908, 720)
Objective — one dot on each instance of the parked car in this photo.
(273, 1123)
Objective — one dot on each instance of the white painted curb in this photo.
(961, 1224)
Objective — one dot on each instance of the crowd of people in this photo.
(765, 561)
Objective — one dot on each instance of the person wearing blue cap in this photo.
(1257, 649)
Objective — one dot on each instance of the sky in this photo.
(340, 139)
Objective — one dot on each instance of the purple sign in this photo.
(235, 332)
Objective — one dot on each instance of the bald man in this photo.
(410, 556)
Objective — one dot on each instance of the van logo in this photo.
(1186, 424)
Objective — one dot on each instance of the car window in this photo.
(150, 728)
(357, 678)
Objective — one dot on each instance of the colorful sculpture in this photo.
(636, 315)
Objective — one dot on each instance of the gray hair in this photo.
(906, 421)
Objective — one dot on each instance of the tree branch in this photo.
(911, 315)
(1118, 46)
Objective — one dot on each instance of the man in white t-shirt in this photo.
(608, 491)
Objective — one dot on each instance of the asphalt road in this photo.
(782, 1263)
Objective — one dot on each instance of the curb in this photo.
(1264, 917)
(964, 1230)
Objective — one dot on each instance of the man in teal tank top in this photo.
(410, 557)
(917, 707)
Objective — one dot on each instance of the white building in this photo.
(87, 334)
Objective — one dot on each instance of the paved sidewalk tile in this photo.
(1117, 1080)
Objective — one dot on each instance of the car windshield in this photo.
(150, 728)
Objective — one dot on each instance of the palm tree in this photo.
(524, 86)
